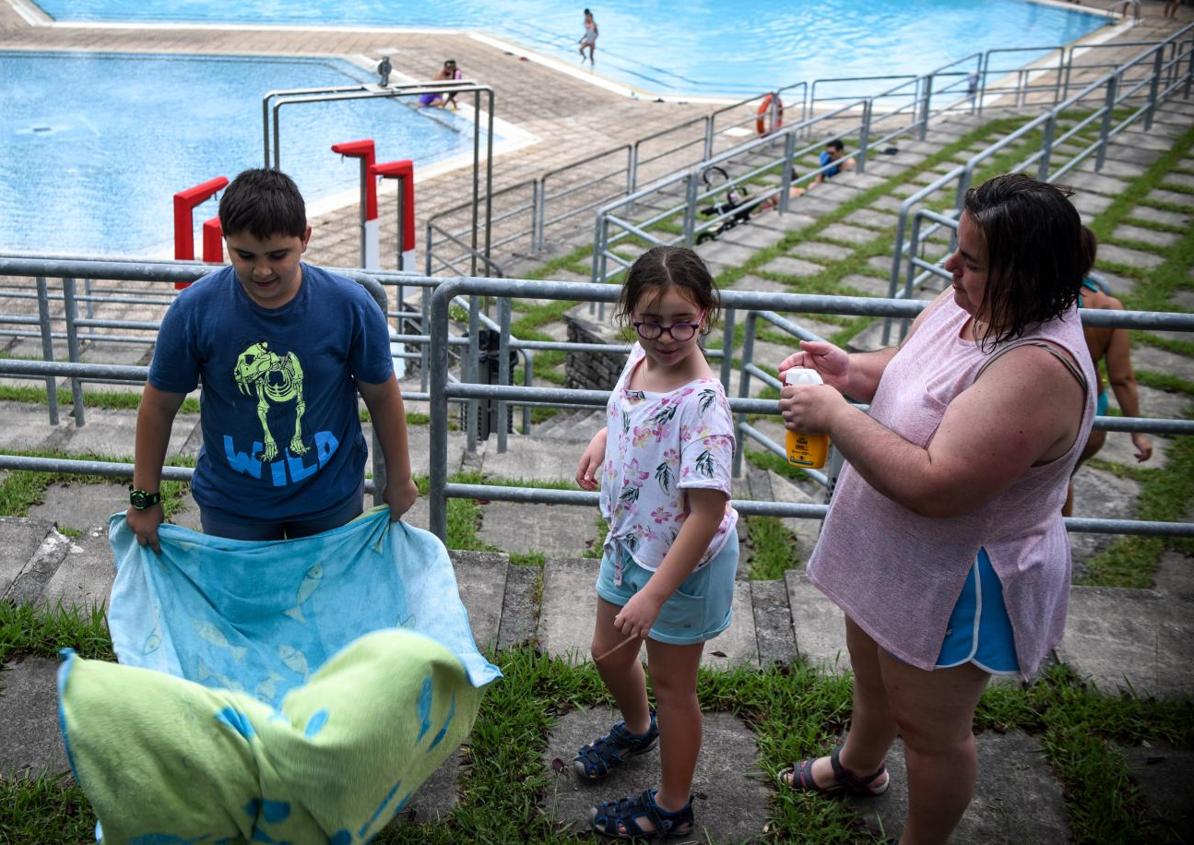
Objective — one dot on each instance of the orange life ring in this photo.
(764, 111)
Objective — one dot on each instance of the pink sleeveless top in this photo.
(898, 574)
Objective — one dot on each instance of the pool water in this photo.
(677, 46)
(94, 146)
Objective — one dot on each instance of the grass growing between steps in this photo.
(506, 789)
(113, 400)
(22, 489)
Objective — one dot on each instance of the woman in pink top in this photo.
(944, 543)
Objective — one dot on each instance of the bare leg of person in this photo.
(673, 677)
(872, 724)
(935, 714)
(621, 670)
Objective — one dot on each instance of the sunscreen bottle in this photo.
(806, 450)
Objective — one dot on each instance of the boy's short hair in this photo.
(836, 144)
(264, 203)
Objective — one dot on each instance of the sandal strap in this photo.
(624, 813)
(847, 779)
(609, 751)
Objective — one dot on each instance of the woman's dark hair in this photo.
(1090, 249)
(663, 267)
(1035, 258)
(264, 203)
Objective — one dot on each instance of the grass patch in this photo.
(30, 630)
(112, 400)
(506, 793)
(772, 548)
(774, 463)
(22, 489)
(44, 809)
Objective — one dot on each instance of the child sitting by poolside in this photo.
(281, 348)
(667, 575)
(439, 100)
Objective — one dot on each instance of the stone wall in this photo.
(591, 370)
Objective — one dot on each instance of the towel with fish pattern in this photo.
(291, 691)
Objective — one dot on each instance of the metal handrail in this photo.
(905, 252)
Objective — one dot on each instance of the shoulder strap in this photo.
(1053, 349)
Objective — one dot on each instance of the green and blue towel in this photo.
(294, 691)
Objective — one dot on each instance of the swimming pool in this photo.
(677, 46)
(94, 146)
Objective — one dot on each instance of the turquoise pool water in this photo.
(94, 146)
(676, 46)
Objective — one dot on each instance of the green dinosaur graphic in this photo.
(275, 380)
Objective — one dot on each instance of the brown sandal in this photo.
(799, 778)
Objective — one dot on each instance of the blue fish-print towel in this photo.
(301, 690)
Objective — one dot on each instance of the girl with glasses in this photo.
(667, 574)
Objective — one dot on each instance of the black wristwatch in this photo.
(142, 499)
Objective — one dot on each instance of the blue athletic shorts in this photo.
(697, 611)
(979, 629)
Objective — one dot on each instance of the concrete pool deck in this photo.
(572, 117)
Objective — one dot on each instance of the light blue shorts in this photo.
(697, 611)
(980, 631)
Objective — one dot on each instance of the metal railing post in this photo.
(928, 104)
(864, 134)
(538, 213)
(748, 351)
(691, 189)
(72, 346)
(470, 369)
(785, 179)
(503, 367)
(709, 137)
(438, 411)
(1042, 172)
(1153, 87)
(528, 380)
(1105, 124)
(632, 170)
(47, 345)
(727, 348)
(983, 65)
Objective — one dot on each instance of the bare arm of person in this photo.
(1025, 408)
(384, 402)
(155, 418)
(1123, 383)
(706, 508)
(591, 460)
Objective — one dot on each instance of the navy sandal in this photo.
(597, 759)
(620, 819)
(799, 778)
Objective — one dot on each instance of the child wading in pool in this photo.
(667, 574)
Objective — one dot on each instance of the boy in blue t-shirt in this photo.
(281, 348)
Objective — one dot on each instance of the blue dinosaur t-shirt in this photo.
(282, 437)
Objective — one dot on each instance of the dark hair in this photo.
(264, 203)
(1035, 258)
(1090, 249)
(587, 12)
(663, 267)
(837, 144)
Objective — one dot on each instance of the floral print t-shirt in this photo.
(658, 445)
